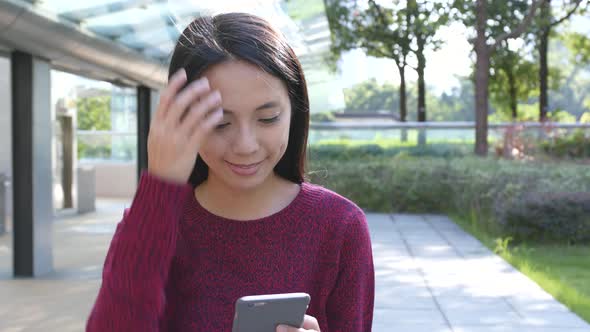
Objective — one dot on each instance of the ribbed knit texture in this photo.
(174, 266)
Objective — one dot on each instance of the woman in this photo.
(223, 210)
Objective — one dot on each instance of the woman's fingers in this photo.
(198, 111)
(286, 328)
(204, 126)
(183, 101)
(169, 93)
(172, 144)
(310, 324)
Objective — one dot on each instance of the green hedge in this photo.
(576, 145)
(495, 191)
(345, 152)
(550, 217)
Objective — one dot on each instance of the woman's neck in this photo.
(270, 197)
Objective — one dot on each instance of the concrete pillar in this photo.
(31, 157)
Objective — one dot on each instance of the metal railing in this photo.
(122, 146)
(432, 131)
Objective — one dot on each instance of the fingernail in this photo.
(201, 82)
(281, 328)
(181, 73)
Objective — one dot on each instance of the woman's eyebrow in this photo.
(270, 104)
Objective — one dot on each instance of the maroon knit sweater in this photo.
(174, 266)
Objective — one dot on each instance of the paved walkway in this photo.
(431, 277)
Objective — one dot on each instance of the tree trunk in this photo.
(512, 93)
(543, 66)
(482, 65)
(421, 90)
(403, 111)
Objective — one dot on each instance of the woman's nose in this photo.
(245, 142)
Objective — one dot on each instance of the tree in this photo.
(379, 32)
(94, 113)
(369, 96)
(484, 43)
(546, 23)
(512, 79)
(580, 45)
(426, 18)
(572, 52)
(453, 105)
(458, 103)
(390, 31)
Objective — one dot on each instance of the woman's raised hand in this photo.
(182, 121)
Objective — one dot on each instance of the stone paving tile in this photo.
(565, 320)
(526, 304)
(477, 311)
(401, 317)
(387, 300)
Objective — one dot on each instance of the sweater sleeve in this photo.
(350, 304)
(131, 297)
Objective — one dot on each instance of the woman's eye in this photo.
(270, 120)
(221, 126)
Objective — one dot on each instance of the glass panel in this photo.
(106, 117)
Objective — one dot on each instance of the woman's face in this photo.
(253, 135)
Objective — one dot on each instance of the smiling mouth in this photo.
(244, 166)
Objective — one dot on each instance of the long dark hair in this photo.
(238, 36)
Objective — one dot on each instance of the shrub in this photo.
(576, 145)
(550, 217)
(322, 117)
(345, 152)
(366, 183)
(491, 190)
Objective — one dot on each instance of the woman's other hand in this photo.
(310, 324)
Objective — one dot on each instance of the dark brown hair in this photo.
(237, 36)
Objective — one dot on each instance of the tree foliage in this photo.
(513, 79)
(579, 44)
(382, 32)
(390, 30)
(370, 96)
(94, 113)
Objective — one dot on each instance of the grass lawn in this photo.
(562, 271)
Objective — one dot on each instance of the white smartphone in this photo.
(262, 313)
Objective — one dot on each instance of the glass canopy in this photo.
(151, 27)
